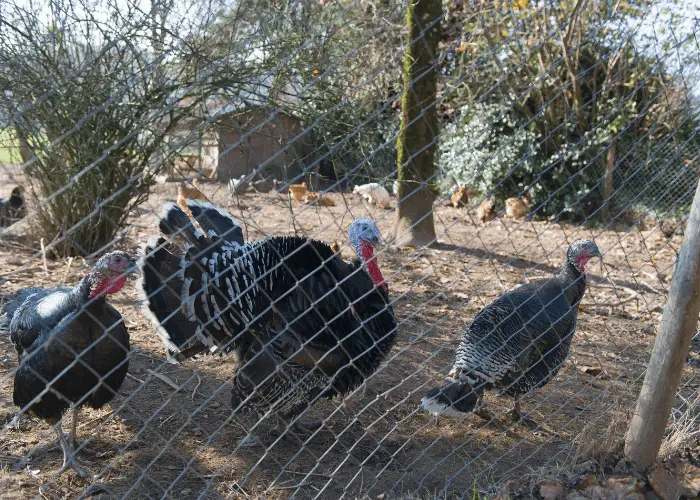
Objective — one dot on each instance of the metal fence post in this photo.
(678, 323)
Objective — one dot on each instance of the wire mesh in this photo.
(583, 118)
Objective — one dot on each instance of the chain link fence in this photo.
(545, 124)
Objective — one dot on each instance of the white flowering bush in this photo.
(487, 150)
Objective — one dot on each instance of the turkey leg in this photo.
(73, 427)
(69, 460)
(299, 429)
(516, 415)
(15, 423)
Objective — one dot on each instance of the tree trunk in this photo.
(416, 144)
(608, 180)
(25, 150)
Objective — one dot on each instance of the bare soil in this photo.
(156, 441)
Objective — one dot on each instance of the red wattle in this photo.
(108, 287)
(582, 261)
(371, 263)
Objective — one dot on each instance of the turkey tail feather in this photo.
(215, 222)
(162, 284)
(175, 222)
(452, 398)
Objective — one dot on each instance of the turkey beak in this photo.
(133, 267)
(373, 240)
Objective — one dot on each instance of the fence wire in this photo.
(582, 117)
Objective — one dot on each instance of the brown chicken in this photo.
(460, 199)
(487, 210)
(318, 199)
(191, 192)
(298, 190)
(670, 227)
(517, 208)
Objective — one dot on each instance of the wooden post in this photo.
(678, 323)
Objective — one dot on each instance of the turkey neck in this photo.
(89, 288)
(573, 282)
(367, 256)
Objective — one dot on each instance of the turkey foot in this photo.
(308, 427)
(248, 441)
(69, 460)
(489, 417)
(299, 431)
(251, 439)
(15, 423)
(515, 414)
(72, 441)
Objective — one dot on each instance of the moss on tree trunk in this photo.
(419, 126)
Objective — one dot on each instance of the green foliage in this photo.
(486, 149)
(356, 142)
(567, 74)
(93, 107)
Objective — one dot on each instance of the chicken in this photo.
(460, 199)
(298, 190)
(13, 208)
(517, 208)
(238, 186)
(192, 192)
(487, 210)
(374, 193)
(671, 227)
(318, 200)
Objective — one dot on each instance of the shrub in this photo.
(486, 149)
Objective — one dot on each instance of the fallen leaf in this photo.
(590, 370)
(552, 490)
(664, 484)
(589, 480)
(689, 476)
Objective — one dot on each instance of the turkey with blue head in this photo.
(518, 342)
(72, 346)
(303, 323)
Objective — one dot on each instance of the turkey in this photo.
(303, 323)
(518, 342)
(13, 208)
(50, 327)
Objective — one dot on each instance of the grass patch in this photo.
(9, 147)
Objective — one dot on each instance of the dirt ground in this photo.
(170, 433)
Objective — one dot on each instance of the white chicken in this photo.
(373, 193)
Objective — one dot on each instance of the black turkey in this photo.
(72, 347)
(12, 209)
(303, 323)
(518, 342)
